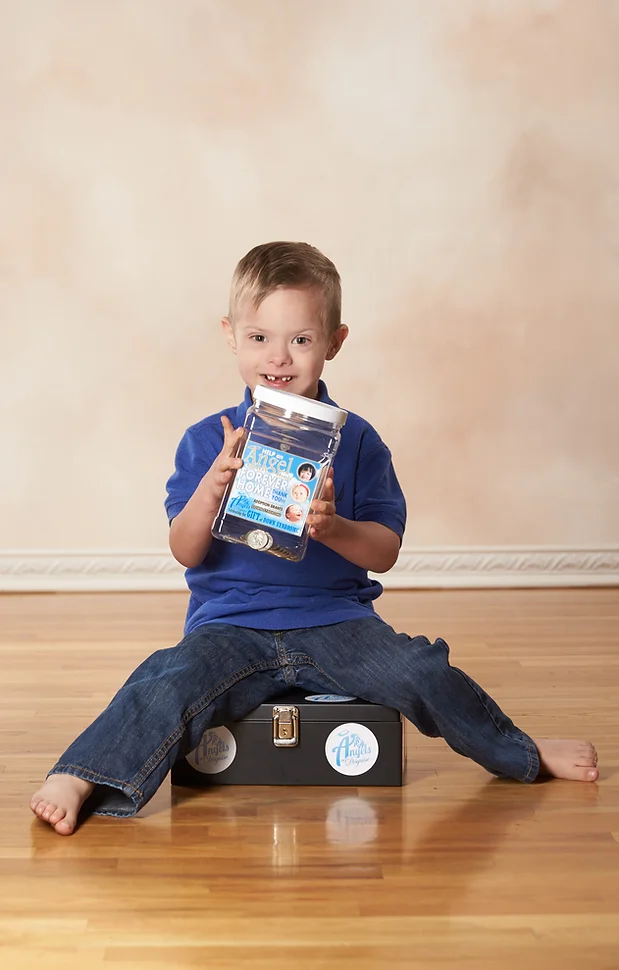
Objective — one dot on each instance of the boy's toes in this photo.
(61, 819)
(588, 757)
(578, 772)
(64, 826)
(588, 774)
(57, 816)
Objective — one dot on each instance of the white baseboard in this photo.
(464, 567)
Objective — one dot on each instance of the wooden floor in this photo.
(455, 870)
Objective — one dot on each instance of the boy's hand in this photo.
(225, 465)
(322, 515)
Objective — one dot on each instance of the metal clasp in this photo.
(285, 727)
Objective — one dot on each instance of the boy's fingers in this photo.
(328, 492)
(321, 507)
(231, 437)
(229, 464)
(319, 526)
(319, 518)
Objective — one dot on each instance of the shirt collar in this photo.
(246, 403)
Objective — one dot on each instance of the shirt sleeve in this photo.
(194, 456)
(378, 496)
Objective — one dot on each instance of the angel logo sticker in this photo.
(351, 749)
(215, 753)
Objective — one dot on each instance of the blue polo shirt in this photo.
(241, 586)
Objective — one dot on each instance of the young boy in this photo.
(257, 625)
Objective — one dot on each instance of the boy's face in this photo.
(283, 343)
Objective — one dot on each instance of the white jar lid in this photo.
(296, 404)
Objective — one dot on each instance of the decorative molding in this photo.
(513, 566)
(52, 570)
(60, 570)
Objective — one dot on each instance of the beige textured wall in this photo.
(458, 159)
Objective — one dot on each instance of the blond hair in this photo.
(293, 264)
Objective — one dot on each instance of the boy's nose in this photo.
(280, 356)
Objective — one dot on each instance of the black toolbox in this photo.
(295, 740)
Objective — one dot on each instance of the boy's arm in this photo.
(370, 545)
(190, 530)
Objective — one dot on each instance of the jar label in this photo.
(273, 488)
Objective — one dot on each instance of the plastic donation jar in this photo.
(290, 442)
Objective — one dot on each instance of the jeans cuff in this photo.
(534, 764)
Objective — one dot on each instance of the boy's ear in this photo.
(229, 332)
(336, 342)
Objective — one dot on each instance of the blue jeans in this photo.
(219, 673)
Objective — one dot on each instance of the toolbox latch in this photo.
(285, 726)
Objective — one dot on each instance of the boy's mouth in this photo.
(277, 379)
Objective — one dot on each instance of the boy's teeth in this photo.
(270, 378)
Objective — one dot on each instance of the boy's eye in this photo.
(301, 340)
(258, 337)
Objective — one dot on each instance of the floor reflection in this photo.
(351, 821)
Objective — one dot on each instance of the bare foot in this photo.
(59, 800)
(574, 760)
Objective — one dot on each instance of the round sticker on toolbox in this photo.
(330, 698)
(215, 753)
(352, 749)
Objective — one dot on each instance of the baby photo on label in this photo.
(299, 492)
(306, 472)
